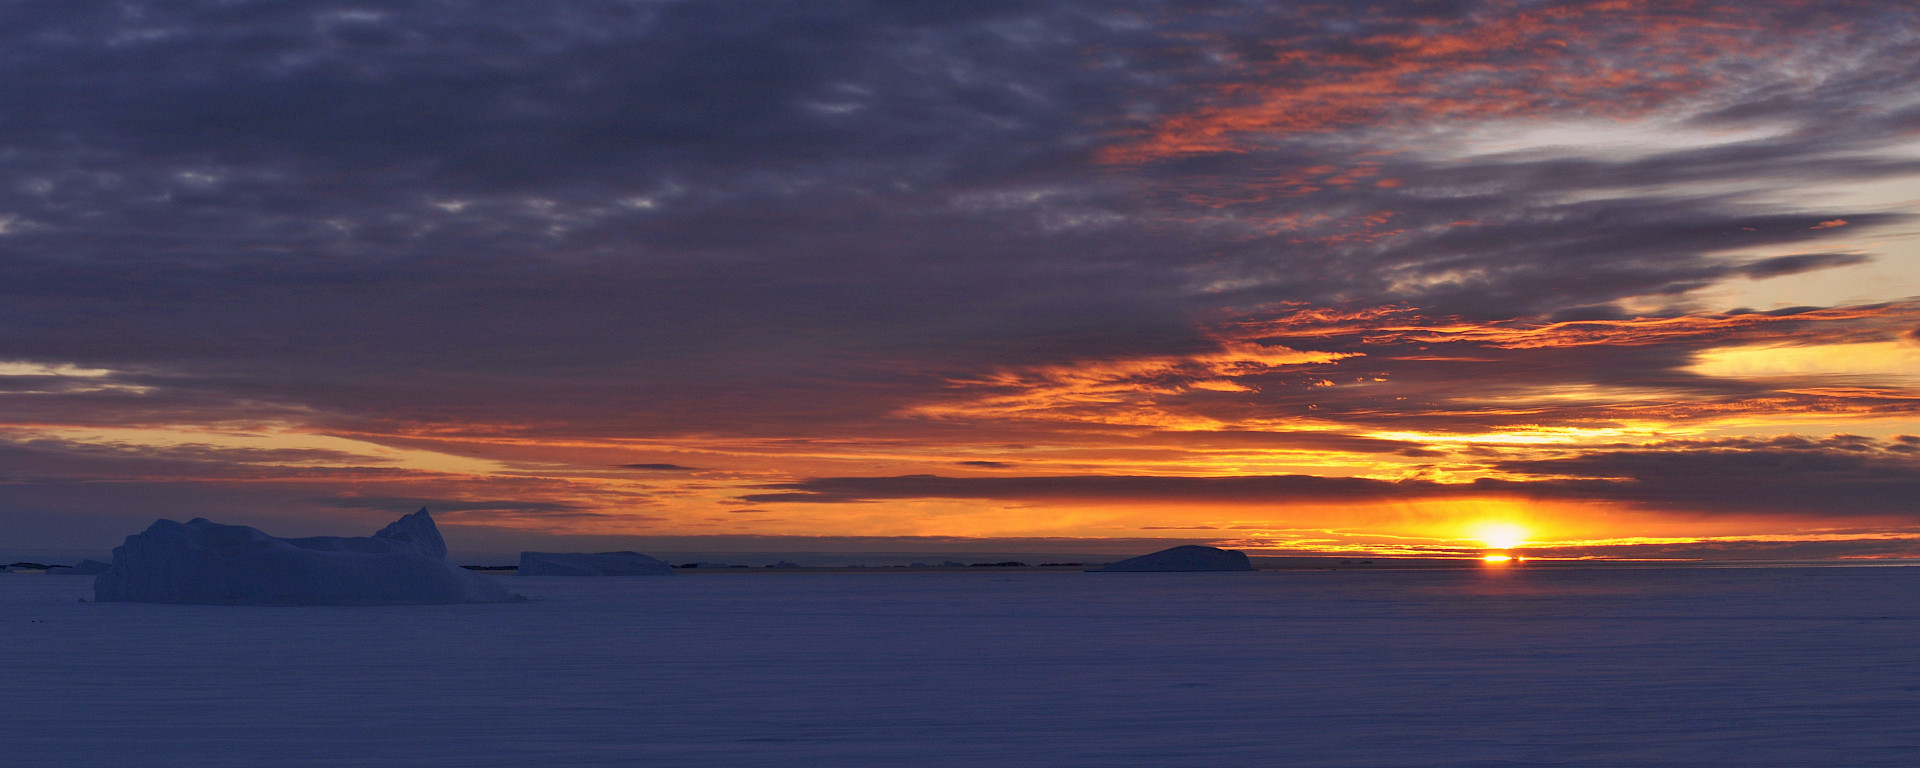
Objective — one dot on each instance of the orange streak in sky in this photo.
(1617, 59)
(1401, 324)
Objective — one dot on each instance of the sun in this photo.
(1500, 535)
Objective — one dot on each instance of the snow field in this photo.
(1594, 667)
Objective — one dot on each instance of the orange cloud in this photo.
(1434, 380)
(1615, 58)
(1403, 324)
(1121, 390)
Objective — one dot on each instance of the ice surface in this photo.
(1186, 558)
(206, 562)
(596, 564)
(1759, 668)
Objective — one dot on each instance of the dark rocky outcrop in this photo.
(1190, 557)
(591, 564)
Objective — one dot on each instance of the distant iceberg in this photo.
(1185, 558)
(594, 564)
(84, 568)
(205, 562)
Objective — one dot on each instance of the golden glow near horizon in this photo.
(584, 474)
(1500, 535)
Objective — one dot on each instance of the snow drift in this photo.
(206, 562)
(595, 564)
(1186, 558)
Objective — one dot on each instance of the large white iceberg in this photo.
(594, 564)
(1191, 557)
(205, 562)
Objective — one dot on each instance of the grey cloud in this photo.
(1842, 475)
(684, 218)
(1805, 262)
(452, 507)
(1837, 477)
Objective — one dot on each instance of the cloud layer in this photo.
(632, 265)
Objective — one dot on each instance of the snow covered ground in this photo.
(1594, 667)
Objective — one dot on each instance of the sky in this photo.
(1595, 279)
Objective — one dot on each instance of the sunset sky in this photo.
(1607, 279)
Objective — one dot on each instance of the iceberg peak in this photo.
(419, 530)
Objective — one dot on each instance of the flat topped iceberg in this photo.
(205, 562)
(83, 568)
(594, 564)
(1191, 557)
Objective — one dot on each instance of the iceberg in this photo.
(209, 563)
(1185, 558)
(596, 564)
